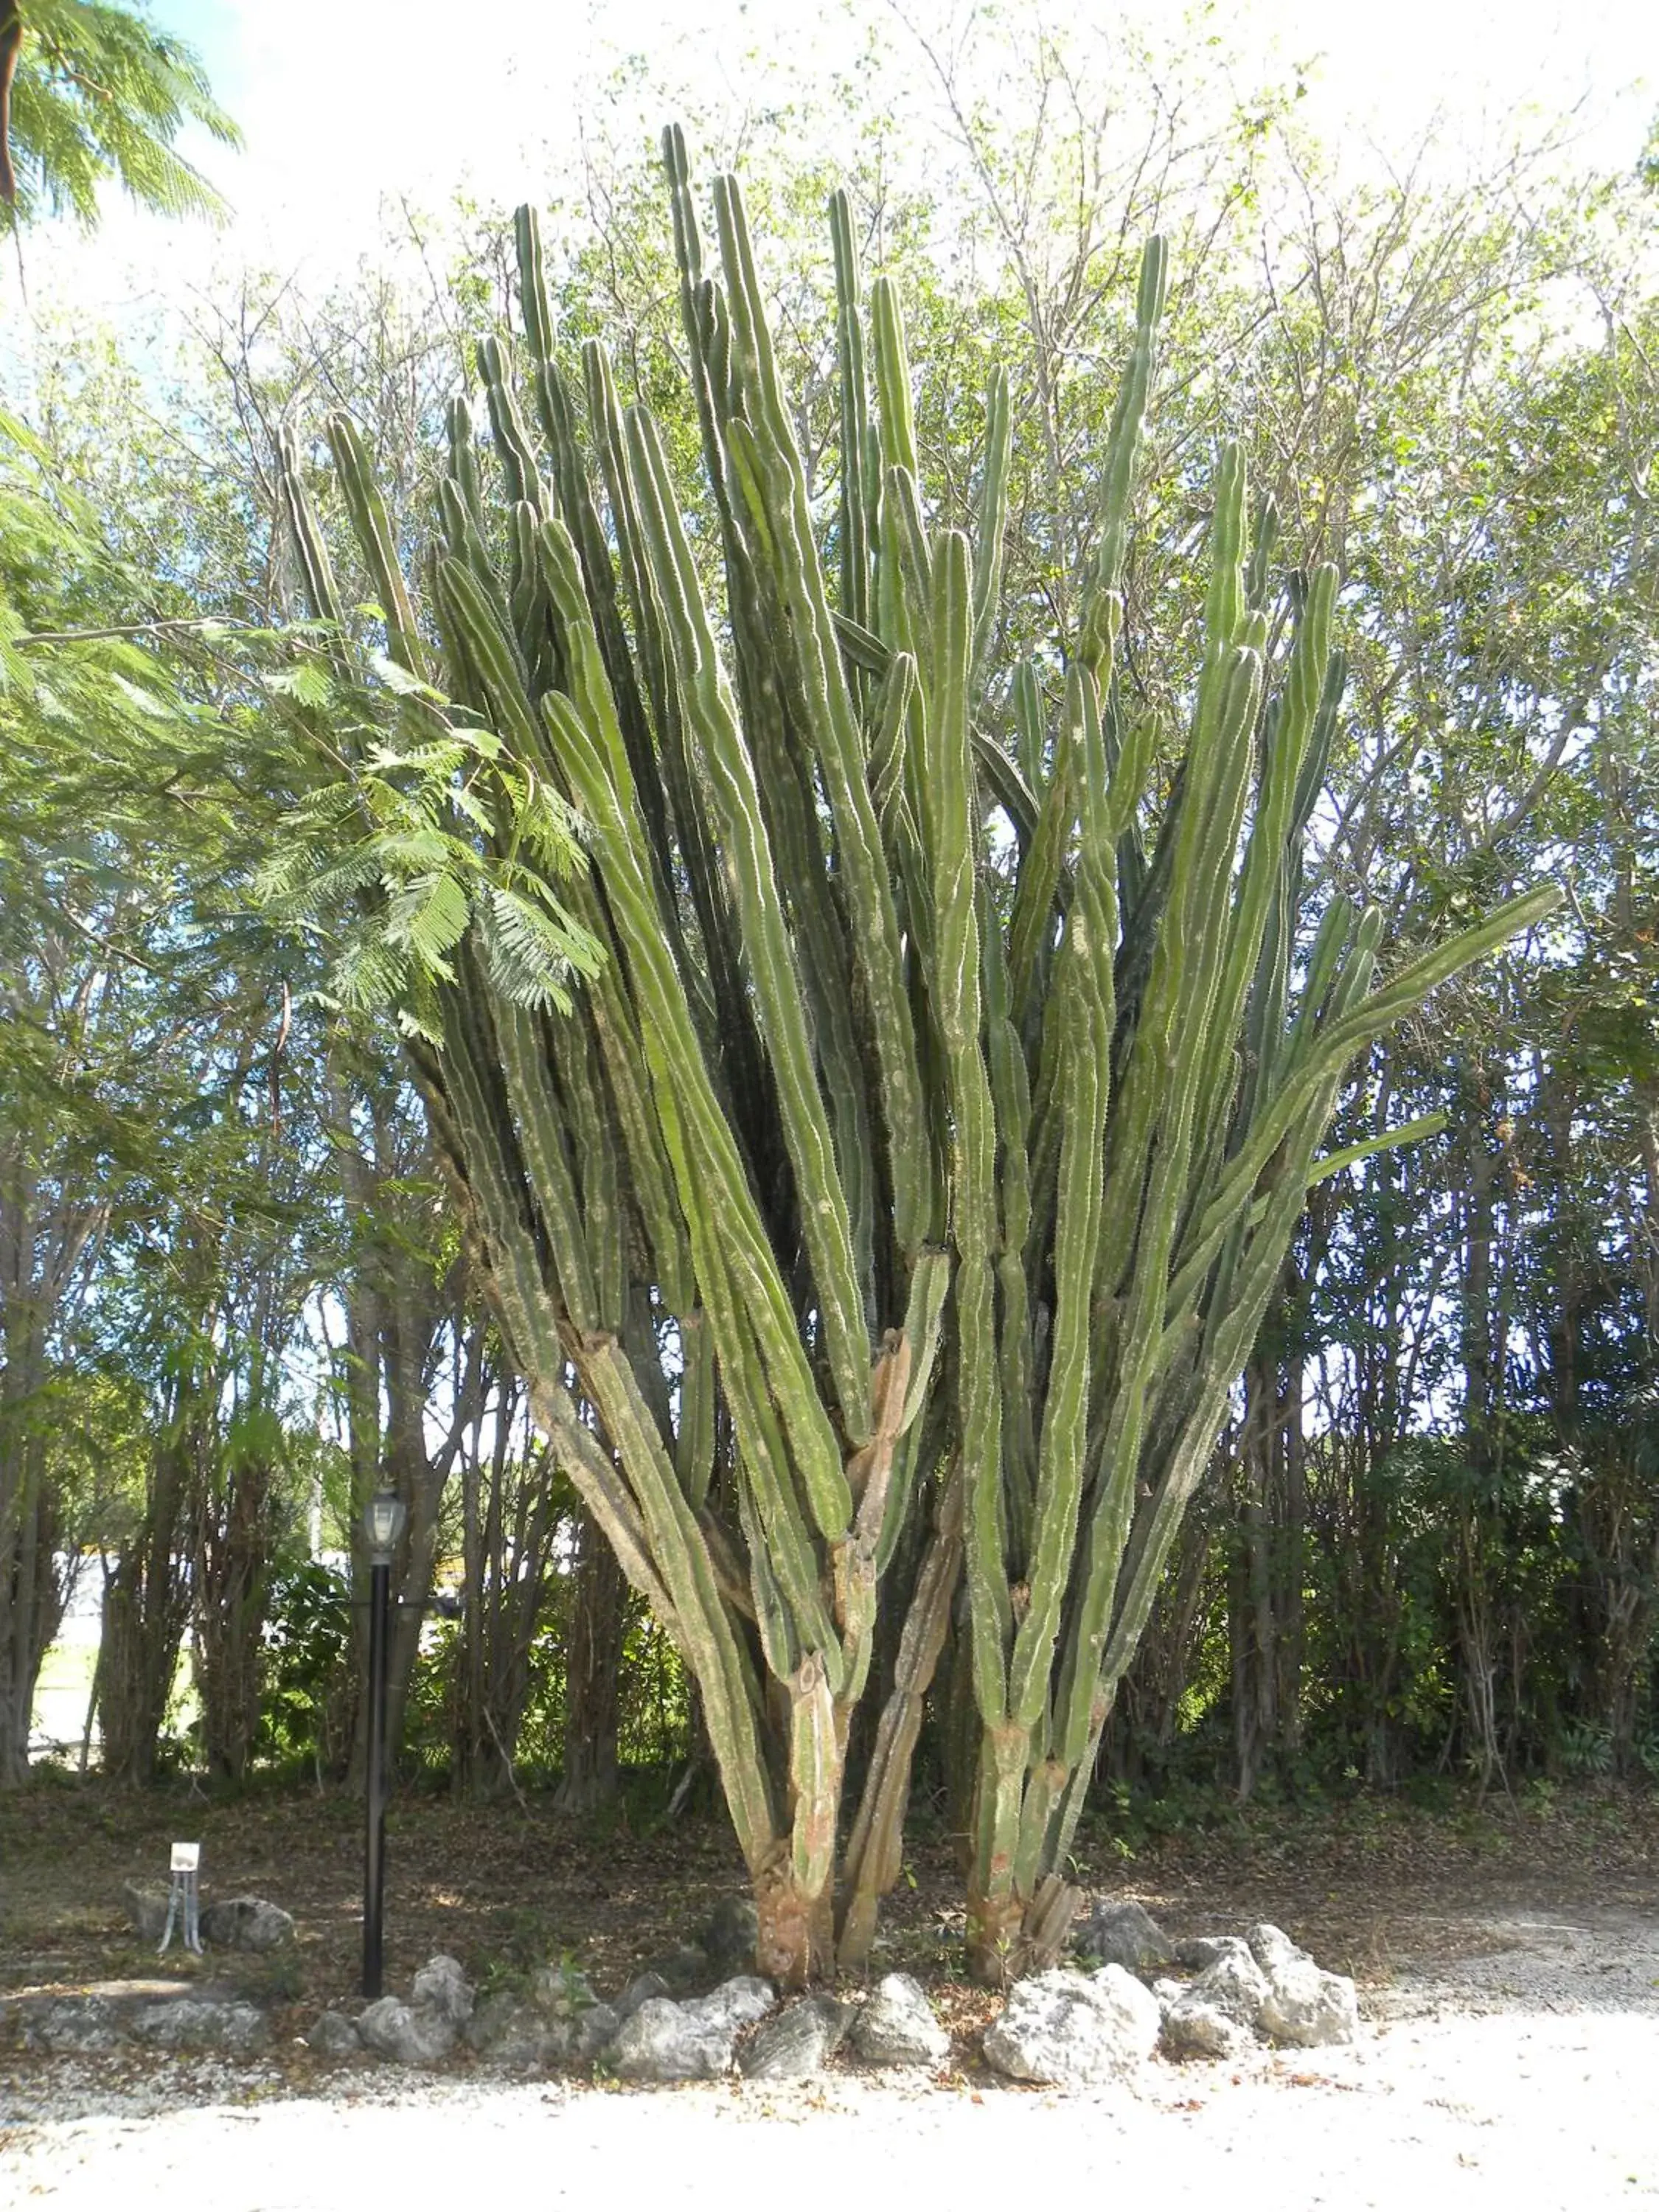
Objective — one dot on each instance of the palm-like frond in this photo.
(100, 96)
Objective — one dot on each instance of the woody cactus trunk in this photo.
(922, 1151)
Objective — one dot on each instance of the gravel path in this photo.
(1524, 2076)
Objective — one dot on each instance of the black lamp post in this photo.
(383, 1525)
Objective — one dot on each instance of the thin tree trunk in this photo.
(145, 1611)
(592, 1675)
(234, 1551)
(1293, 1557)
(44, 1243)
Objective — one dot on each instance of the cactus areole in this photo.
(881, 1230)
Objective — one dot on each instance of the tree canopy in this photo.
(93, 94)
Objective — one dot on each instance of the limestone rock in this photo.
(1081, 2030)
(796, 2042)
(146, 1908)
(561, 1992)
(1197, 1952)
(1119, 1932)
(1233, 1984)
(683, 1971)
(659, 2042)
(1304, 2005)
(442, 1987)
(245, 1923)
(897, 2026)
(1194, 2029)
(1132, 2001)
(332, 2035)
(595, 2030)
(640, 1990)
(742, 2001)
(411, 2034)
(514, 2031)
(691, 2041)
(731, 1936)
(201, 2024)
(69, 2024)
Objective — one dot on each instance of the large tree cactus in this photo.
(895, 1187)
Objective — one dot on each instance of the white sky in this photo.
(344, 102)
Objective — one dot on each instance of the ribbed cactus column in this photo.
(866, 1206)
(1134, 1102)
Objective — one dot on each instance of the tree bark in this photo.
(46, 1239)
(592, 1675)
(234, 1551)
(145, 1611)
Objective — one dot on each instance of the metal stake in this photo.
(380, 1597)
(184, 1898)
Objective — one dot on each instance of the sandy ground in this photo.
(1527, 2075)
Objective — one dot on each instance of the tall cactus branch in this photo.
(894, 1207)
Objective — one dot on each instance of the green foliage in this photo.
(99, 97)
(424, 818)
(654, 1736)
(422, 832)
(77, 656)
(311, 1680)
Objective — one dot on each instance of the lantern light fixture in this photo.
(383, 1525)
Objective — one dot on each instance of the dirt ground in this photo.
(1370, 1886)
(1507, 1957)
